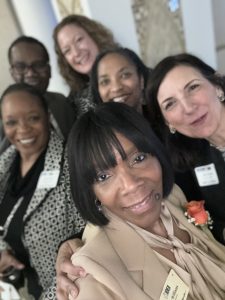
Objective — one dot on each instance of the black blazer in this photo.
(214, 195)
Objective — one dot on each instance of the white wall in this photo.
(9, 32)
(218, 14)
(116, 15)
(199, 32)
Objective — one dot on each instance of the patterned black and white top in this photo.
(82, 101)
(51, 215)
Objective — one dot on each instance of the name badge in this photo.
(174, 288)
(48, 179)
(206, 175)
(8, 292)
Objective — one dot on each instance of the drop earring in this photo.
(221, 98)
(172, 129)
(220, 94)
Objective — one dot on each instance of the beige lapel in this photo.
(138, 256)
(100, 259)
(121, 241)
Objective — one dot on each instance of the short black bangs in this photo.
(93, 145)
(99, 151)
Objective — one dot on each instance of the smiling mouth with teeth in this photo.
(119, 99)
(142, 206)
(26, 141)
(81, 61)
(139, 203)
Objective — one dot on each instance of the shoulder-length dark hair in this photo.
(184, 150)
(131, 56)
(101, 35)
(90, 147)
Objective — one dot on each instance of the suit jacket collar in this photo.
(140, 257)
(121, 241)
(53, 161)
(6, 160)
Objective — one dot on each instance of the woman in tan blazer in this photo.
(143, 246)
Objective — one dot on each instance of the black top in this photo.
(214, 195)
(21, 187)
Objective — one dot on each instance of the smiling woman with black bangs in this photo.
(122, 181)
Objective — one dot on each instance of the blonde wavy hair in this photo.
(102, 36)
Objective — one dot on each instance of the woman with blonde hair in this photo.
(78, 41)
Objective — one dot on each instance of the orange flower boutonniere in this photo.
(197, 214)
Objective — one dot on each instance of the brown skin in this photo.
(29, 54)
(26, 126)
(64, 266)
(117, 77)
(8, 260)
(118, 81)
(128, 190)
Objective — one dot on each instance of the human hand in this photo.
(66, 272)
(7, 260)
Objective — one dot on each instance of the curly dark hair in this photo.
(100, 34)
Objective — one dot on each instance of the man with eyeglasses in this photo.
(29, 63)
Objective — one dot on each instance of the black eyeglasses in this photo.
(22, 68)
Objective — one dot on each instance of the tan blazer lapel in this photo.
(154, 274)
(134, 267)
(139, 257)
(103, 262)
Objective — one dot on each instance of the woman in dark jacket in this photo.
(187, 110)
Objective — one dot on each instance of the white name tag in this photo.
(8, 292)
(206, 175)
(48, 179)
(174, 288)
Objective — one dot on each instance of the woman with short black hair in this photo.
(122, 181)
